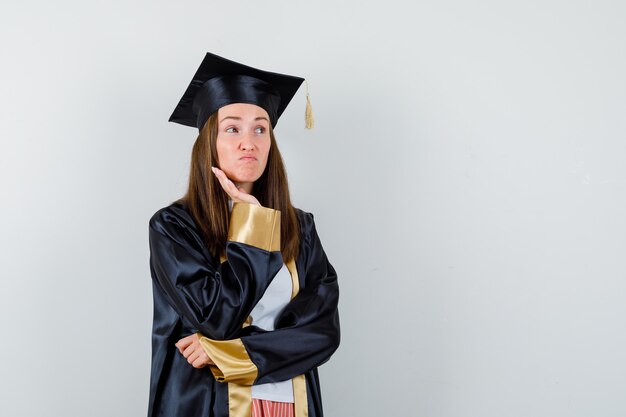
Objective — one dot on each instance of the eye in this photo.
(259, 130)
(231, 130)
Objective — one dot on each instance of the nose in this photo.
(247, 144)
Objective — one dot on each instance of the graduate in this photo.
(245, 299)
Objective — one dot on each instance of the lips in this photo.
(247, 158)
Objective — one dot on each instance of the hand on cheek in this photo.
(238, 195)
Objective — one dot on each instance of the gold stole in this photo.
(240, 396)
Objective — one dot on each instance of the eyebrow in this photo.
(239, 118)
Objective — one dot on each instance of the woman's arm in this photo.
(215, 298)
(306, 335)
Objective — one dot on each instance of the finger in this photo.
(221, 177)
(192, 358)
(216, 170)
(188, 351)
(201, 359)
(227, 185)
(234, 193)
(184, 342)
(199, 352)
(232, 189)
(198, 357)
(199, 363)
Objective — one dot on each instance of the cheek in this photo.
(222, 151)
(266, 149)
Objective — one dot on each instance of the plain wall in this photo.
(466, 173)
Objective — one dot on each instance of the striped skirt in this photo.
(266, 408)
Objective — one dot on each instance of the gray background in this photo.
(466, 173)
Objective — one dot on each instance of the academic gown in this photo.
(195, 292)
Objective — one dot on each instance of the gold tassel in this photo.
(308, 113)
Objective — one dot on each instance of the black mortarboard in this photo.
(219, 82)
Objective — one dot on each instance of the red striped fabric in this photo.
(266, 408)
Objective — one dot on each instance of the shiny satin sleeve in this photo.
(213, 297)
(307, 332)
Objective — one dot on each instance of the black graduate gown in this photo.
(194, 292)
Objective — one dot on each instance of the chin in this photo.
(242, 173)
(247, 177)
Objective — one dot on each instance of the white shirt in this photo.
(264, 315)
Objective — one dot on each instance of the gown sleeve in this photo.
(215, 298)
(306, 335)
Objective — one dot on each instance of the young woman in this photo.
(245, 300)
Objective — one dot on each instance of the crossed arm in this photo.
(306, 334)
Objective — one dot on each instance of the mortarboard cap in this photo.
(219, 82)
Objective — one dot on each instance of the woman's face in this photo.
(243, 142)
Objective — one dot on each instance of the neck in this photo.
(246, 186)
